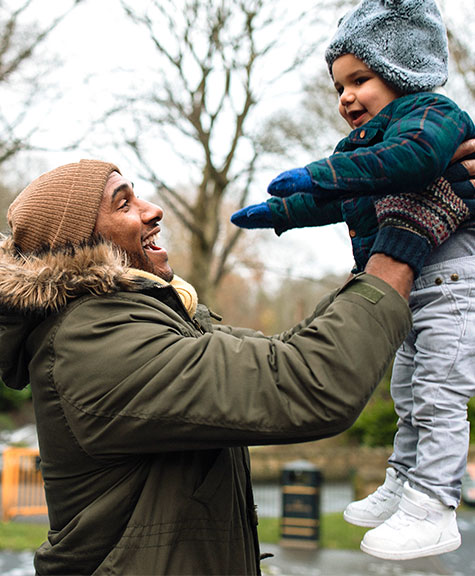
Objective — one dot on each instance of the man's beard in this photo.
(141, 261)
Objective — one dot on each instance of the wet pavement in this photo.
(289, 562)
(16, 563)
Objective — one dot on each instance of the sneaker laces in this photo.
(382, 494)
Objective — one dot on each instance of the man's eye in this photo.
(124, 204)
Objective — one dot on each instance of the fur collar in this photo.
(43, 283)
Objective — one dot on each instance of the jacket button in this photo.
(454, 277)
(352, 234)
(438, 281)
(362, 133)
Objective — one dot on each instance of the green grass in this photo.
(335, 533)
(17, 536)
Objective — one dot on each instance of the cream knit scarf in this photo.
(186, 291)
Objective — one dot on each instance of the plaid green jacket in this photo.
(404, 148)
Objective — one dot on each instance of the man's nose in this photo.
(151, 212)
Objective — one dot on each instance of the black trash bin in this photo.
(300, 522)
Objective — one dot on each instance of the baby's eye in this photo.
(361, 80)
(339, 90)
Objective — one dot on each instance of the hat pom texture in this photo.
(404, 41)
(59, 207)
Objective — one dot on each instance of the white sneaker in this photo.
(378, 506)
(422, 526)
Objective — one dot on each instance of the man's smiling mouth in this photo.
(150, 243)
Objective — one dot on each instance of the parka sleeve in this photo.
(284, 336)
(416, 148)
(145, 387)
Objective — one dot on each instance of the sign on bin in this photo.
(300, 522)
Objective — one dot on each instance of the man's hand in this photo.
(461, 172)
(466, 149)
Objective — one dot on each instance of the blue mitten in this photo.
(254, 216)
(290, 182)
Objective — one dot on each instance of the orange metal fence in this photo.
(22, 484)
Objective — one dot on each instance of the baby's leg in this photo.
(443, 304)
(405, 441)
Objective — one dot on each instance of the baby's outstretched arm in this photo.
(450, 199)
(302, 209)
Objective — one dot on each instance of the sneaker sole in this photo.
(361, 522)
(444, 547)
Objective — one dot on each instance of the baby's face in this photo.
(363, 93)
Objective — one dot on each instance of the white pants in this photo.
(434, 378)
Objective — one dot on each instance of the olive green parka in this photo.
(144, 414)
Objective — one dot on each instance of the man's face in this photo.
(132, 224)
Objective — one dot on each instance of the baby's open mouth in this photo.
(356, 114)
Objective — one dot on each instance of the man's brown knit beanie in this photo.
(60, 207)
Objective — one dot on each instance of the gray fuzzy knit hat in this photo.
(404, 41)
(60, 207)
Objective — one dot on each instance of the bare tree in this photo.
(209, 74)
(22, 70)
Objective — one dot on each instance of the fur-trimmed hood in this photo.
(42, 283)
(35, 286)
